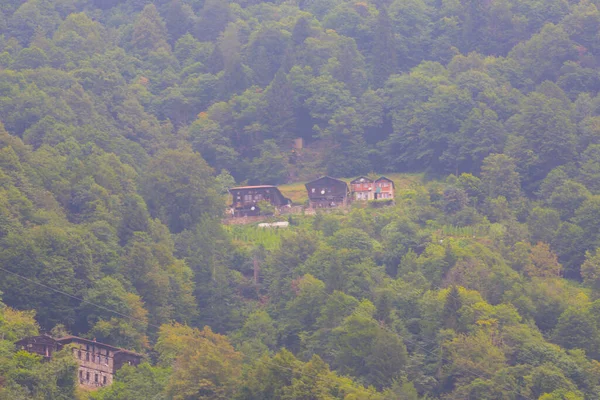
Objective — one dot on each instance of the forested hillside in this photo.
(123, 123)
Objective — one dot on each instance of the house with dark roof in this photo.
(245, 199)
(98, 362)
(327, 192)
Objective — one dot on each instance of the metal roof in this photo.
(254, 187)
(364, 178)
(70, 338)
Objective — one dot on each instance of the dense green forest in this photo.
(123, 123)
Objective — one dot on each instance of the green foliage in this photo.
(131, 382)
(179, 189)
(204, 363)
(26, 376)
(269, 239)
(125, 122)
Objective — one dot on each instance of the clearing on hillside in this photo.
(297, 192)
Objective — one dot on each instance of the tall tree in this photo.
(213, 19)
(149, 31)
(179, 19)
(499, 177)
(548, 133)
(280, 103)
(385, 57)
(180, 189)
(205, 365)
(234, 78)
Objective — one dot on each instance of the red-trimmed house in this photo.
(383, 189)
(362, 189)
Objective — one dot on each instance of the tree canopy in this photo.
(124, 123)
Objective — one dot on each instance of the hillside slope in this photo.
(123, 123)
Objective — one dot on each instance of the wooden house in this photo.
(383, 189)
(327, 192)
(245, 199)
(362, 189)
(98, 362)
(43, 345)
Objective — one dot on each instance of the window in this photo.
(96, 378)
(80, 375)
(87, 376)
(104, 380)
(98, 359)
(106, 360)
(79, 354)
(87, 356)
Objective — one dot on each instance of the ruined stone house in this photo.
(98, 362)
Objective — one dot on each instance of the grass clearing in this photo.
(269, 238)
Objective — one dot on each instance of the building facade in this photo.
(362, 189)
(384, 189)
(327, 192)
(245, 199)
(98, 362)
(43, 345)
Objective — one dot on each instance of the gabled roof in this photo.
(71, 338)
(383, 178)
(270, 187)
(362, 179)
(326, 178)
(43, 338)
(253, 187)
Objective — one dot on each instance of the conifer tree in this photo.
(385, 62)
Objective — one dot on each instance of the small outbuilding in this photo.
(327, 192)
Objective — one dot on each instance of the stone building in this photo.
(98, 362)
